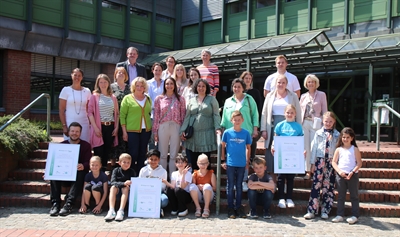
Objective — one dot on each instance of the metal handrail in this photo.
(218, 200)
(28, 107)
(378, 122)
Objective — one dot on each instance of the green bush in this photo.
(54, 125)
(21, 136)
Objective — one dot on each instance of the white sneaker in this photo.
(309, 215)
(245, 187)
(352, 220)
(183, 213)
(174, 213)
(110, 215)
(337, 219)
(324, 216)
(161, 213)
(290, 203)
(282, 203)
(120, 215)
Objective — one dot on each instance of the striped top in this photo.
(106, 108)
(211, 74)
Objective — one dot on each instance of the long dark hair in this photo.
(195, 70)
(351, 133)
(175, 88)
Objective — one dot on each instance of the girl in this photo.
(288, 127)
(203, 187)
(178, 189)
(347, 161)
(322, 150)
(188, 93)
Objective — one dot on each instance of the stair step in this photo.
(32, 163)
(382, 173)
(380, 163)
(39, 153)
(27, 174)
(25, 186)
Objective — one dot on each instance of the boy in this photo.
(261, 189)
(154, 170)
(96, 184)
(120, 183)
(237, 143)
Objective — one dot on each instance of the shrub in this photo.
(54, 125)
(22, 136)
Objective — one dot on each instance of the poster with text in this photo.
(289, 155)
(62, 162)
(145, 198)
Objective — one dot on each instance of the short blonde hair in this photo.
(281, 57)
(141, 80)
(281, 76)
(95, 158)
(122, 69)
(236, 113)
(202, 156)
(125, 156)
(290, 106)
(313, 78)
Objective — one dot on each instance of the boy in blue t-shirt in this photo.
(237, 143)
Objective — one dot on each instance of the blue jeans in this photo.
(164, 200)
(235, 177)
(256, 198)
(137, 146)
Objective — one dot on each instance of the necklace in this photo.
(80, 106)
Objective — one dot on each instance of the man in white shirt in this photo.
(293, 83)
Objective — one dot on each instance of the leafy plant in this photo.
(21, 136)
(54, 125)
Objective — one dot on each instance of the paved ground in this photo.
(36, 222)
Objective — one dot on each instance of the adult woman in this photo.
(194, 74)
(247, 77)
(120, 89)
(180, 78)
(203, 114)
(313, 105)
(273, 113)
(136, 123)
(248, 107)
(209, 71)
(103, 115)
(73, 105)
(169, 112)
(170, 61)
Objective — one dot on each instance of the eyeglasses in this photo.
(180, 162)
(206, 163)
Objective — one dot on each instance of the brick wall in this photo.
(17, 81)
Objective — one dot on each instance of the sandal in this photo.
(198, 212)
(87, 209)
(206, 213)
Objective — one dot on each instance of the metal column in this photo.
(369, 109)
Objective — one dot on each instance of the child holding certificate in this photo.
(322, 150)
(153, 169)
(96, 185)
(288, 127)
(120, 185)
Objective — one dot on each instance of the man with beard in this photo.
(85, 153)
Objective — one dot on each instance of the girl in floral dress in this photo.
(322, 151)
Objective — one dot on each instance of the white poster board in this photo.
(62, 162)
(145, 198)
(289, 155)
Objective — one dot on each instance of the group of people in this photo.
(139, 120)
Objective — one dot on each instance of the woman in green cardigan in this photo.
(135, 121)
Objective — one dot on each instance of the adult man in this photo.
(133, 68)
(85, 153)
(293, 83)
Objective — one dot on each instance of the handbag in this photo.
(189, 131)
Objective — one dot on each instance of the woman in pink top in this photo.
(313, 105)
(209, 71)
(169, 113)
(103, 113)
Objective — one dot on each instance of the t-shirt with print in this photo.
(266, 178)
(178, 178)
(285, 128)
(99, 181)
(236, 146)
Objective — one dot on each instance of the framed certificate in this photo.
(145, 198)
(289, 155)
(62, 162)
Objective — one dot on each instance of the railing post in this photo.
(218, 201)
(378, 126)
(48, 115)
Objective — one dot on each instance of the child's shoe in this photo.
(174, 213)
(253, 214)
(267, 215)
(120, 215)
(352, 220)
(245, 187)
(324, 216)
(110, 215)
(183, 213)
(290, 203)
(309, 215)
(282, 203)
(337, 219)
(161, 212)
(231, 213)
(240, 213)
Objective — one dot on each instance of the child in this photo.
(120, 184)
(153, 169)
(203, 186)
(96, 185)
(288, 127)
(237, 142)
(178, 189)
(347, 161)
(261, 189)
(322, 150)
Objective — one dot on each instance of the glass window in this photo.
(265, 3)
(87, 1)
(239, 6)
(112, 5)
(164, 19)
(290, 0)
(139, 12)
